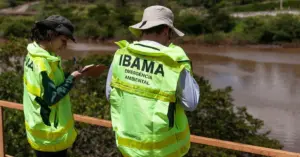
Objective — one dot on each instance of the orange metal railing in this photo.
(194, 139)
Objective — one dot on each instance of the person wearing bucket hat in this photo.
(155, 16)
(47, 108)
(150, 86)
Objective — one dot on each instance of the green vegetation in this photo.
(207, 22)
(3, 5)
(266, 6)
(243, 5)
(14, 3)
(216, 116)
(15, 26)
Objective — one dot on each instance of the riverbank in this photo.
(188, 41)
(109, 45)
(106, 23)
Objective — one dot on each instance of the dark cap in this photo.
(60, 24)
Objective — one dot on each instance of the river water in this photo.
(266, 81)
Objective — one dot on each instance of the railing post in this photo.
(2, 148)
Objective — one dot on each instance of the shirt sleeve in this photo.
(188, 93)
(108, 81)
(52, 93)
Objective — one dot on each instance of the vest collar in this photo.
(152, 48)
(36, 51)
(152, 43)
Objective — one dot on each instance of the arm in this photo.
(187, 91)
(53, 94)
(108, 81)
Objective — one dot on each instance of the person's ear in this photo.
(166, 31)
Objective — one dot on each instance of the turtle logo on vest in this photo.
(141, 64)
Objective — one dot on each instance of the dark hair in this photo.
(157, 29)
(42, 33)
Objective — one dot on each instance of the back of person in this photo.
(150, 86)
(144, 101)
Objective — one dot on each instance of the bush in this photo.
(283, 28)
(124, 16)
(218, 21)
(15, 26)
(12, 54)
(215, 117)
(122, 33)
(189, 22)
(214, 38)
(266, 6)
(106, 21)
(17, 29)
(3, 5)
(248, 30)
(92, 29)
(100, 14)
(266, 29)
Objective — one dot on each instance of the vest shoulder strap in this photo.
(122, 43)
(179, 55)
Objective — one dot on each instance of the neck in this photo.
(45, 45)
(154, 37)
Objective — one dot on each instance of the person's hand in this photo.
(76, 74)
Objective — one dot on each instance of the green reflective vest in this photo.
(60, 133)
(145, 115)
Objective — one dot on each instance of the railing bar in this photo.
(94, 121)
(194, 139)
(242, 147)
(11, 105)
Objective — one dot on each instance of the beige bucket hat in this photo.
(154, 16)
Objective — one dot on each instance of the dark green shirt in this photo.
(53, 93)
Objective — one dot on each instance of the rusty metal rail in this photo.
(194, 139)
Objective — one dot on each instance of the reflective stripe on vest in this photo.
(143, 91)
(183, 150)
(52, 147)
(32, 88)
(153, 145)
(49, 135)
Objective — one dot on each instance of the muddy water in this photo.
(266, 81)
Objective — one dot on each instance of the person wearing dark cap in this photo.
(47, 108)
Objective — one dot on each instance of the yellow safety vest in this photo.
(60, 133)
(145, 115)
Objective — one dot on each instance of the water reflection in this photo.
(265, 81)
(268, 89)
